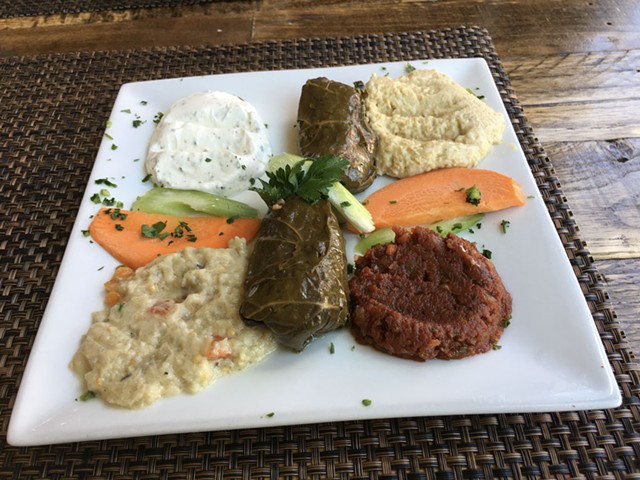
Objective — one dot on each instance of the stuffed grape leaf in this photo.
(296, 281)
(331, 121)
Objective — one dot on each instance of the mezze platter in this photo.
(551, 357)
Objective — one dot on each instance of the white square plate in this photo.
(551, 358)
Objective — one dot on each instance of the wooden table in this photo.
(574, 64)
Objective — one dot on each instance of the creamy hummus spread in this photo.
(176, 328)
(210, 141)
(424, 120)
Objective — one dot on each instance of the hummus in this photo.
(176, 328)
(424, 120)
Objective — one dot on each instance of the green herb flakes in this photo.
(105, 181)
(408, 68)
(473, 195)
(155, 230)
(332, 348)
(88, 395)
(504, 225)
(366, 402)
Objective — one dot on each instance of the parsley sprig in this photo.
(309, 180)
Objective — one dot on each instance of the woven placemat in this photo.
(51, 122)
(33, 8)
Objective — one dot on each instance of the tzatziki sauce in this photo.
(210, 141)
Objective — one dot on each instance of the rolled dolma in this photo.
(331, 121)
(296, 281)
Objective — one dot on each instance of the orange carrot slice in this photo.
(120, 232)
(441, 194)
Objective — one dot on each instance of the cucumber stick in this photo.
(342, 199)
(444, 227)
(189, 202)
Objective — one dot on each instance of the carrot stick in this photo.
(441, 194)
(120, 232)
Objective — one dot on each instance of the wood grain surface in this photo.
(575, 66)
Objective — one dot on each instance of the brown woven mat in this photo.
(32, 8)
(51, 122)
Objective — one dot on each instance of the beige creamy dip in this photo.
(424, 120)
(176, 329)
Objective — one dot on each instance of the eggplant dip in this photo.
(173, 327)
(424, 120)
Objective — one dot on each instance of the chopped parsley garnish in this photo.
(393, 202)
(270, 414)
(88, 395)
(230, 220)
(479, 97)
(105, 181)
(409, 68)
(486, 253)
(85, 233)
(497, 347)
(95, 198)
(366, 402)
(504, 224)
(146, 178)
(158, 117)
(116, 214)
(332, 348)
(155, 230)
(143, 102)
(119, 227)
(126, 110)
(114, 146)
(136, 123)
(473, 195)
(345, 204)
(507, 322)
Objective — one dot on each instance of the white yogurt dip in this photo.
(210, 141)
